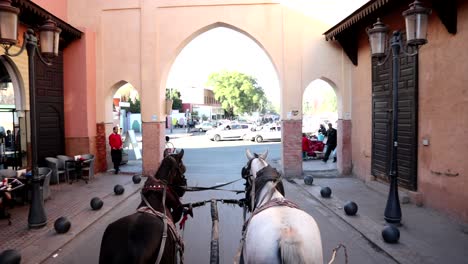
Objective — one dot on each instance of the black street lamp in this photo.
(416, 18)
(48, 43)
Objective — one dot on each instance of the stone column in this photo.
(344, 152)
(153, 146)
(292, 148)
(101, 143)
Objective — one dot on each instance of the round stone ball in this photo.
(10, 256)
(391, 234)
(96, 203)
(325, 192)
(350, 208)
(62, 225)
(308, 180)
(136, 179)
(119, 189)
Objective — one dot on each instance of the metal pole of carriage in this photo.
(214, 257)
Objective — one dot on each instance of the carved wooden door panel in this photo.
(407, 120)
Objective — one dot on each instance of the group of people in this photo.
(330, 138)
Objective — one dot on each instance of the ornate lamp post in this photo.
(416, 18)
(48, 43)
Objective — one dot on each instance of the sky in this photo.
(225, 49)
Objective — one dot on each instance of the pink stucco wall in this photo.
(56, 7)
(443, 114)
(80, 87)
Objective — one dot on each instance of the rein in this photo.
(166, 222)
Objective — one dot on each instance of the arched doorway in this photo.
(126, 115)
(320, 109)
(12, 117)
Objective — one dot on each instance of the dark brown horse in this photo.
(137, 238)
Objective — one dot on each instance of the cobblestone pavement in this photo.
(69, 200)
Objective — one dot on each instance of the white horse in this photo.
(277, 231)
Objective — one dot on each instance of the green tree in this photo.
(238, 93)
(174, 94)
(134, 106)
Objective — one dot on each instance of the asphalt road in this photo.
(209, 163)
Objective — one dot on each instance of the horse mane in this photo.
(168, 164)
(265, 175)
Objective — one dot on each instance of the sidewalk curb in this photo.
(57, 241)
(368, 228)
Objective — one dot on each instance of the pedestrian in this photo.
(115, 142)
(9, 140)
(305, 146)
(331, 142)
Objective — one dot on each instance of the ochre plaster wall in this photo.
(443, 114)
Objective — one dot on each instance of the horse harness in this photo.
(167, 222)
(255, 192)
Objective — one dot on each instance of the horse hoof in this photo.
(62, 225)
(350, 208)
(325, 192)
(119, 189)
(391, 234)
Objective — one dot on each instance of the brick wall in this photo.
(153, 134)
(101, 153)
(292, 148)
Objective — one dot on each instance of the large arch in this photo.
(149, 42)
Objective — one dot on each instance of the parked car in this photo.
(205, 126)
(228, 132)
(266, 133)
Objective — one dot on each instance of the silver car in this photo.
(229, 132)
(266, 133)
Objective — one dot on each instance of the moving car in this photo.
(266, 133)
(205, 126)
(228, 132)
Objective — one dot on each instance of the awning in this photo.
(347, 31)
(33, 16)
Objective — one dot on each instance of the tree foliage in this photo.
(238, 93)
(134, 106)
(174, 94)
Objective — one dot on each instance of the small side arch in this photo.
(17, 81)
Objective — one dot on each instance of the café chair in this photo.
(68, 163)
(47, 172)
(88, 165)
(57, 170)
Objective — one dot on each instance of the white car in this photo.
(229, 132)
(266, 133)
(205, 126)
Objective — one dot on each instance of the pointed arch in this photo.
(17, 80)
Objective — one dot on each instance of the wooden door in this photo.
(407, 120)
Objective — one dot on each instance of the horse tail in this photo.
(291, 247)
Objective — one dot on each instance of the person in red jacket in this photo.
(115, 142)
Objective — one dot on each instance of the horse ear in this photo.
(249, 154)
(180, 155)
(264, 155)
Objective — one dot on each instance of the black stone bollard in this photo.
(350, 208)
(62, 225)
(119, 189)
(325, 192)
(391, 234)
(10, 256)
(136, 179)
(309, 180)
(96, 203)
